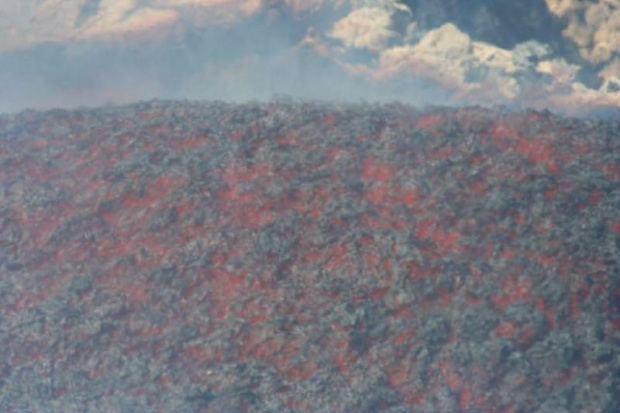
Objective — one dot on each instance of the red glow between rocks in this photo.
(502, 133)
(156, 191)
(429, 122)
(191, 143)
(379, 293)
(329, 119)
(317, 253)
(377, 171)
(513, 291)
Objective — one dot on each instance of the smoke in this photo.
(94, 52)
(365, 28)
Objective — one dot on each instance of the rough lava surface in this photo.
(562, 55)
(294, 256)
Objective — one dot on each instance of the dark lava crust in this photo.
(296, 256)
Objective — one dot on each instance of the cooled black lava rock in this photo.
(300, 256)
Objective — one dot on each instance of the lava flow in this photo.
(301, 256)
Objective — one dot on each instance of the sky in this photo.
(562, 55)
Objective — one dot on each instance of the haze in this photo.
(563, 55)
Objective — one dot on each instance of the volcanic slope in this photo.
(302, 256)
